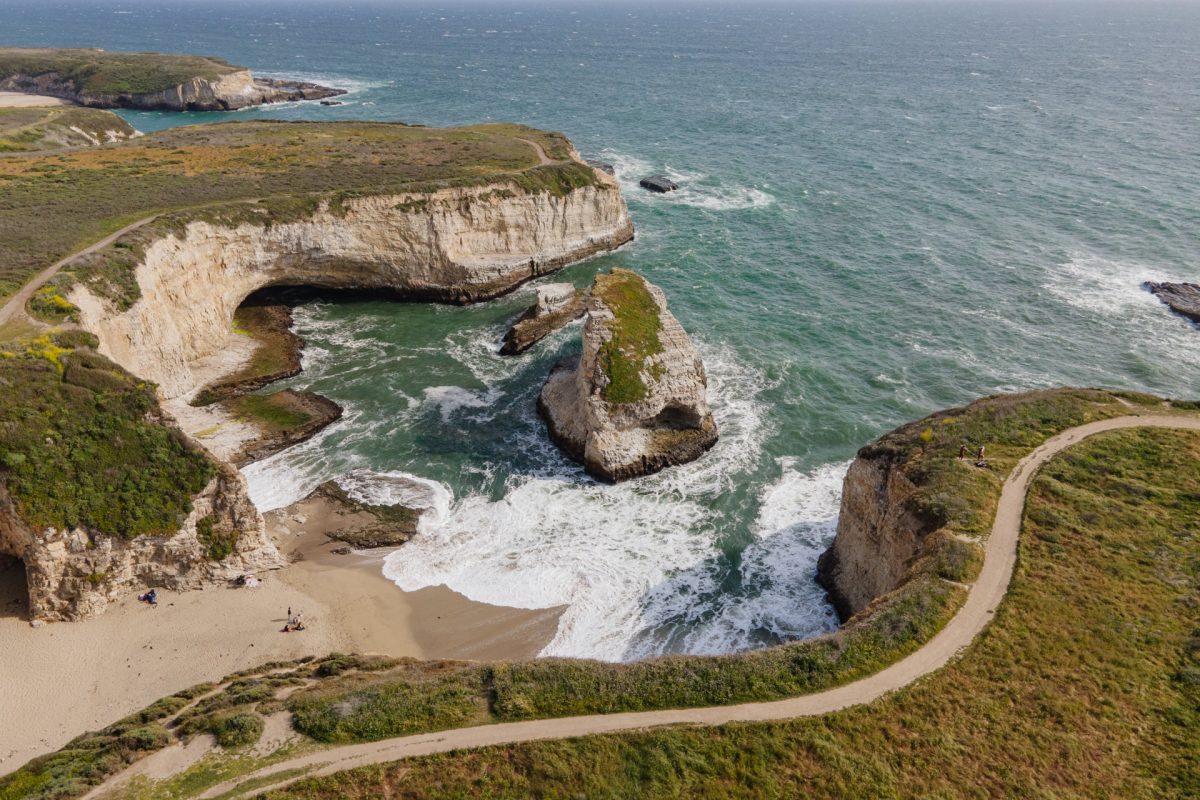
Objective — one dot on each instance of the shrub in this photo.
(241, 729)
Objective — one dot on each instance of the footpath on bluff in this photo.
(982, 600)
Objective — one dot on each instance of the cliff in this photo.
(455, 245)
(634, 402)
(55, 127)
(103, 496)
(879, 534)
(155, 81)
(111, 497)
(913, 510)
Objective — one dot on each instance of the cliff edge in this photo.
(102, 495)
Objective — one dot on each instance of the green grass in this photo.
(1086, 685)
(269, 410)
(206, 172)
(53, 127)
(96, 72)
(79, 445)
(359, 698)
(633, 332)
(232, 715)
(954, 498)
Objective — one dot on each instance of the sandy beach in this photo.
(60, 679)
(21, 100)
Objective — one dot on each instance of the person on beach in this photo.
(150, 597)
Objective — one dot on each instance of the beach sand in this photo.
(61, 679)
(21, 100)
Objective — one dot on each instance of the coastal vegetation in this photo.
(260, 172)
(81, 445)
(95, 71)
(633, 331)
(54, 127)
(1086, 684)
(1110, 530)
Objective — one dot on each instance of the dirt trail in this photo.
(982, 600)
(16, 304)
(543, 159)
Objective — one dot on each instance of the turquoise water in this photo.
(887, 209)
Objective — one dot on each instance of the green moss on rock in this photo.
(634, 331)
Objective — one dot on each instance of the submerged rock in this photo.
(658, 183)
(1182, 298)
(603, 166)
(557, 304)
(634, 402)
(366, 525)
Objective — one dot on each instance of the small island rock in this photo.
(1182, 298)
(658, 183)
(557, 304)
(634, 402)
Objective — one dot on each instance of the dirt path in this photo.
(982, 599)
(543, 159)
(16, 304)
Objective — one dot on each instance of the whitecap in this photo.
(697, 189)
(450, 399)
(780, 599)
(557, 538)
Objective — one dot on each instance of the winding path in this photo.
(983, 598)
(16, 303)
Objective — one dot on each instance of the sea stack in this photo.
(557, 304)
(634, 402)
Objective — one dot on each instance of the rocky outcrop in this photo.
(634, 402)
(365, 525)
(229, 92)
(878, 534)
(1182, 298)
(313, 412)
(557, 304)
(457, 245)
(76, 573)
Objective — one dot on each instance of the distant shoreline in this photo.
(22, 100)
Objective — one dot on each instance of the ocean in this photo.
(887, 208)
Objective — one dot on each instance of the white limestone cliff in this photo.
(455, 245)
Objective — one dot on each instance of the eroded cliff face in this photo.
(229, 92)
(456, 245)
(73, 574)
(878, 535)
(618, 438)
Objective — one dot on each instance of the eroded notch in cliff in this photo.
(14, 588)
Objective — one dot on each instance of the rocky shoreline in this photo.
(230, 92)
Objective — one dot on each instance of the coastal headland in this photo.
(137, 347)
(158, 81)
